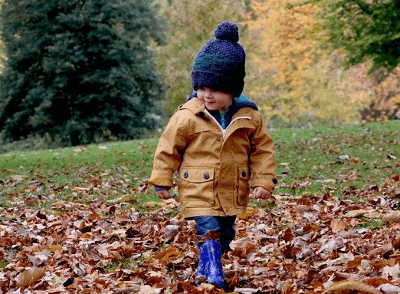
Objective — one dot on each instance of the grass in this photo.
(82, 174)
(337, 160)
(372, 223)
(340, 160)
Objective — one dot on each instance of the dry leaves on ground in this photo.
(304, 245)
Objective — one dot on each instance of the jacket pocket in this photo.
(243, 188)
(196, 186)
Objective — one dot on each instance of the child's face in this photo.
(214, 99)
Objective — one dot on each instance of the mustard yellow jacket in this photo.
(214, 165)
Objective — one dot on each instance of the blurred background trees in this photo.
(79, 71)
(367, 33)
(296, 71)
(308, 62)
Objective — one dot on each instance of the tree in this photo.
(293, 81)
(2, 56)
(367, 33)
(80, 71)
(366, 30)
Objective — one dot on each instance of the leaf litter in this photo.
(304, 245)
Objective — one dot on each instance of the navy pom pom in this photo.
(227, 31)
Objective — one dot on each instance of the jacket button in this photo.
(206, 176)
(275, 181)
(185, 175)
(243, 174)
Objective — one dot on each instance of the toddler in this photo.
(217, 141)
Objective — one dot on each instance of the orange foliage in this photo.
(378, 95)
(287, 37)
(303, 87)
(308, 84)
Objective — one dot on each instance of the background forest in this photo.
(308, 62)
(293, 72)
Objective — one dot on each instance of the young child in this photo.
(216, 140)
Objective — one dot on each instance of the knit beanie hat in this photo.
(220, 63)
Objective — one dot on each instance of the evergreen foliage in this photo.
(79, 71)
(366, 30)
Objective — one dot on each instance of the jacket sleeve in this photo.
(167, 157)
(262, 158)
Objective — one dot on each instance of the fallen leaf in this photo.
(344, 157)
(389, 288)
(390, 156)
(391, 217)
(337, 225)
(29, 277)
(80, 149)
(353, 285)
(392, 271)
(17, 177)
(146, 289)
(356, 213)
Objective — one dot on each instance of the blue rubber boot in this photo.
(210, 259)
(201, 276)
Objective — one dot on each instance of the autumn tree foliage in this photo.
(367, 35)
(365, 30)
(377, 93)
(299, 80)
(79, 71)
(295, 81)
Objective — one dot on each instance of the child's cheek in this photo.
(201, 98)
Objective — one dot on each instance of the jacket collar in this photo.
(195, 106)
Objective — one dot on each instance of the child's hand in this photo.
(261, 193)
(163, 194)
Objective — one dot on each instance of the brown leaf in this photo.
(249, 212)
(392, 217)
(337, 225)
(166, 254)
(353, 285)
(393, 271)
(146, 289)
(80, 149)
(287, 235)
(29, 277)
(356, 213)
(376, 282)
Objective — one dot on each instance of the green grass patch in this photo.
(3, 263)
(372, 223)
(336, 160)
(339, 160)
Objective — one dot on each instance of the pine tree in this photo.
(79, 70)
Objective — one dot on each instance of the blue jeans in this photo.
(221, 224)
